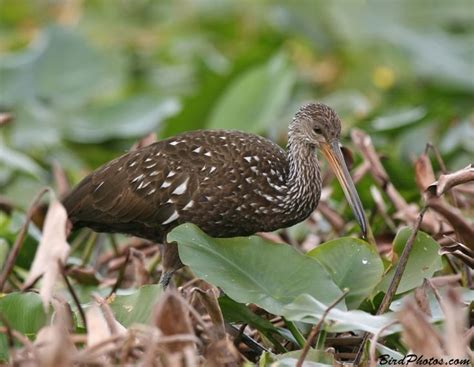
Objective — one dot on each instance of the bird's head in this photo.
(319, 126)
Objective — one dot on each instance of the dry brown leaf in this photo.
(456, 321)
(418, 333)
(421, 299)
(97, 326)
(445, 280)
(53, 344)
(139, 266)
(424, 174)
(209, 299)
(60, 180)
(222, 353)
(52, 251)
(172, 318)
(456, 218)
(54, 347)
(450, 180)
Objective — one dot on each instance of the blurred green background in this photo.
(85, 79)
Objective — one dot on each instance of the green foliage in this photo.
(255, 99)
(352, 264)
(83, 82)
(24, 313)
(137, 306)
(308, 309)
(253, 270)
(423, 261)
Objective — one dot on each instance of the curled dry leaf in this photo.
(450, 180)
(460, 251)
(209, 299)
(456, 321)
(52, 251)
(424, 174)
(417, 333)
(172, 318)
(60, 179)
(421, 299)
(54, 347)
(423, 339)
(97, 326)
(53, 344)
(456, 218)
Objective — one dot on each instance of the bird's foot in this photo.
(170, 262)
(165, 278)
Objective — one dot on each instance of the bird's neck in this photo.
(304, 177)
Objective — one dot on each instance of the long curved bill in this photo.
(333, 154)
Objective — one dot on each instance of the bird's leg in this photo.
(170, 262)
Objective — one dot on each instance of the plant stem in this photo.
(295, 332)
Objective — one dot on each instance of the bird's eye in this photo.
(317, 130)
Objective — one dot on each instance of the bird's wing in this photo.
(136, 188)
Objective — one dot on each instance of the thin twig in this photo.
(19, 239)
(373, 343)
(316, 328)
(74, 295)
(402, 262)
(121, 273)
(392, 289)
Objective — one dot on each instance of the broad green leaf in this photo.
(307, 309)
(399, 118)
(422, 263)
(59, 66)
(352, 264)
(253, 270)
(255, 99)
(69, 70)
(238, 312)
(16, 70)
(459, 136)
(4, 249)
(19, 161)
(136, 307)
(134, 117)
(314, 358)
(24, 312)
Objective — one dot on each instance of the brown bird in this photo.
(228, 183)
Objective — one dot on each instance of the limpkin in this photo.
(228, 183)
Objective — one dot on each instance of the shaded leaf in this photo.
(352, 264)
(423, 261)
(253, 270)
(19, 161)
(314, 358)
(68, 70)
(255, 98)
(307, 309)
(134, 117)
(400, 118)
(137, 306)
(24, 312)
(239, 313)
